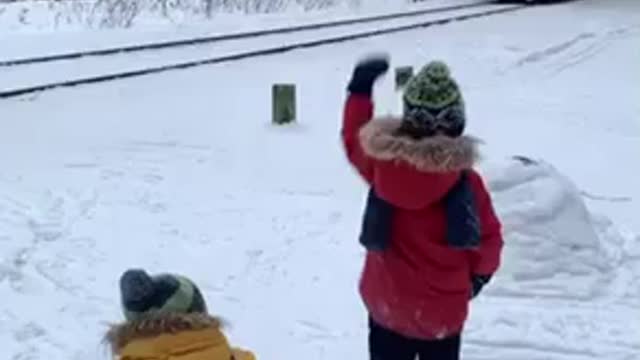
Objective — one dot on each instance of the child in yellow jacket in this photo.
(167, 319)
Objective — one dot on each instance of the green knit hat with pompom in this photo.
(144, 294)
(432, 101)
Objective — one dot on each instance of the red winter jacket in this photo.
(418, 287)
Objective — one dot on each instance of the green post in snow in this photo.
(284, 103)
(403, 74)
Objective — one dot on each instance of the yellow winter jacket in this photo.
(174, 337)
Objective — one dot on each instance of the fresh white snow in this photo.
(554, 247)
(15, 77)
(183, 172)
(44, 34)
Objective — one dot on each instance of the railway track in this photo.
(31, 75)
(234, 36)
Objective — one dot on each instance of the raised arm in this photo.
(358, 111)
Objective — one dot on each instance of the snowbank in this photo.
(553, 245)
(36, 15)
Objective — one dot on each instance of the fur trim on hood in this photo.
(431, 154)
(154, 325)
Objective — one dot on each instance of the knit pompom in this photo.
(136, 285)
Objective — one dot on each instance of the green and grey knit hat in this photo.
(433, 103)
(143, 294)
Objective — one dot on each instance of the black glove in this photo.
(477, 283)
(366, 73)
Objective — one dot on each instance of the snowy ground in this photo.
(42, 35)
(183, 172)
(32, 16)
(15, 77)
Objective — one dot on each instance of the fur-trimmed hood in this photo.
(432, 154)
(413, 174)
(151, 326)
(174, 336)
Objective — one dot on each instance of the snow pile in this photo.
(553, 246)
(81, 14)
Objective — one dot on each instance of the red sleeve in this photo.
(486, 260)
(358, 111)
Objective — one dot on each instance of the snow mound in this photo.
(31, 15)
(554, 247)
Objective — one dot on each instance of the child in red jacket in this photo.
(432, 236)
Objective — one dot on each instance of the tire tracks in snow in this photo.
(553, 50)
(577, 50)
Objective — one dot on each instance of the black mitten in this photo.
(477, 283)
(366, 73)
